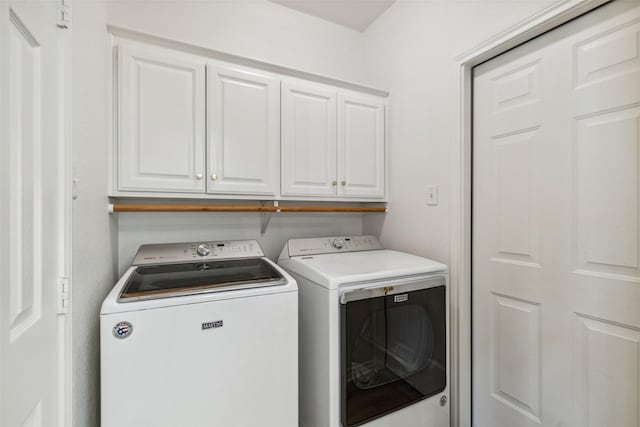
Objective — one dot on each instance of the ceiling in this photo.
(356, 14)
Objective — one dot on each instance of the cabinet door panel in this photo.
(161, 121)
(308, 141)
(244, 132)
(360, 146)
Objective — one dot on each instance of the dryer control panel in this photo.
(330, 245)
(197, 251)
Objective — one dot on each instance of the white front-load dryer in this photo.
(374, 334)
(200, 335)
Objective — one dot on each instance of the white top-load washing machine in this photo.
(373, 334)
(200, 335)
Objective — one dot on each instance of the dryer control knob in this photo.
(203, 250)
(338, 243)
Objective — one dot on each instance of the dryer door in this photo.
(393, 348)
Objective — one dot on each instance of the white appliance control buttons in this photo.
(203, 250)
(186, 252)
(331, 245)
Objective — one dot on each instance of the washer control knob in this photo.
(338, 243)
(203, 250)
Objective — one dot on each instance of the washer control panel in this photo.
(170, 253)
(329, 245)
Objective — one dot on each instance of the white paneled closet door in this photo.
(556, 233)
(32, 218)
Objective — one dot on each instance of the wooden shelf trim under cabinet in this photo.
(197, 208)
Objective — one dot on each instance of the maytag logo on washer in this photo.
(122, 330)
(211, 325)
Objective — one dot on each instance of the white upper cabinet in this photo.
(332, 143)
(308, 140)
(161, 121)
(243, 131)
(189, 126)
(361, 151)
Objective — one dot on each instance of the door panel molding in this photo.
(607, 347)
(25, 284)
(516, 335)
(606, 235)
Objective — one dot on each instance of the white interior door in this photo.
(556, 233)
(31, 214)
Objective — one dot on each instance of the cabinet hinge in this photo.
(64, 14)
(63, 295)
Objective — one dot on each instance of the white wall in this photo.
(94, 232)
(411, 50)
(256, 29)
(136, 229)
(102, 243)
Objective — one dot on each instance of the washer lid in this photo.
(168, 280)
(334, 270)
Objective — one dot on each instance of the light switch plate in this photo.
(432, 195)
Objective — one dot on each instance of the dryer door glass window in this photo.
(393, 352)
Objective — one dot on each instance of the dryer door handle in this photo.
(391, 289)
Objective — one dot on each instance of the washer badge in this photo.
(122, 330)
